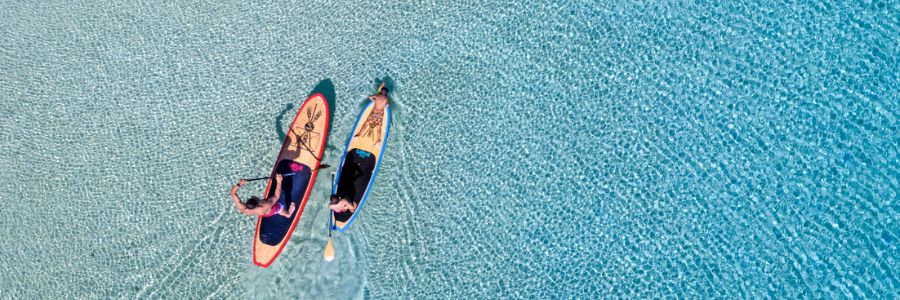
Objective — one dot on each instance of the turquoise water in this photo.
(538, 150)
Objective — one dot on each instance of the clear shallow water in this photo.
(567, 149)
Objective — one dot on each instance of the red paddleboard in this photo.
(301, 153)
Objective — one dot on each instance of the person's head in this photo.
(335, 199)
(384, 91)
(252, 203)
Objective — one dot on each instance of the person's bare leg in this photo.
(377, 136)
(363, 127)
(289, 212)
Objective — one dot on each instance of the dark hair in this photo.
(252, 203)
(384, 91)
(334, 199)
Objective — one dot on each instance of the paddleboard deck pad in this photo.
(300, 153)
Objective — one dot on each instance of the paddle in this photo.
(322, 166)
(329, 248)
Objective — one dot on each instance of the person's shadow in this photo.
(326, 87)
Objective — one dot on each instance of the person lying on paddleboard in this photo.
(265, 207)
(372, 126)
(341, 204)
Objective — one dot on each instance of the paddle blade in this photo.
(329, 251)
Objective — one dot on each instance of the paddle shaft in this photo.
(329, 247)
(330, 225)
(322, 166)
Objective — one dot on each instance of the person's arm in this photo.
(275, 198)
(337, 206)
(237, 200)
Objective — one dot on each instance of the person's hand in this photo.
(242, 182)
(278, 177)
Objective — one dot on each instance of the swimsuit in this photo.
(275, 209)
(375, 118)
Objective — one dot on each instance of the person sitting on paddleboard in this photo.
(265, 207)
(341, 204)
(372, 126)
